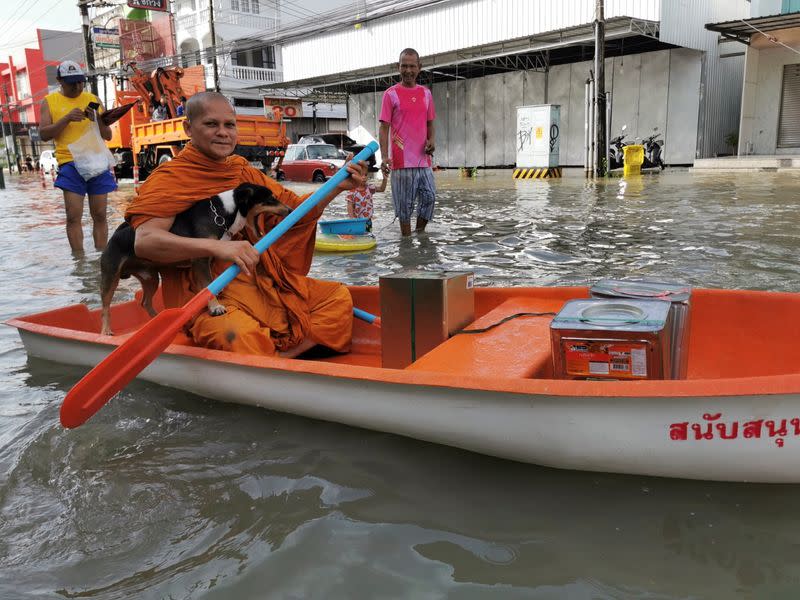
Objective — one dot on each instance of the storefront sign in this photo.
(105, 38)
(288, 108)
(161, 5)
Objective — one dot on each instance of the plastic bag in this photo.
(90, 153)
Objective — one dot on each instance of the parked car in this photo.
(341, 140)
(47, 161)
(310, 162)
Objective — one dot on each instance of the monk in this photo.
(273, 308)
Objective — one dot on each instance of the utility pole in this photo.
(11, 126)
(600, 134)
(88, 47)
(213, 44)
(5, 139)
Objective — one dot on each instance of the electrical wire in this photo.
(51, 7)
(771, 38)
(505, 320)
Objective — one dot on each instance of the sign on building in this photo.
(106, 37)
(162, 5)
(143, 40)
(538, 136)
(288, 108)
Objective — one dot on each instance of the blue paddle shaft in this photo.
(229, 274)
(364, 315)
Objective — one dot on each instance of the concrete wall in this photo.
(476, 118)
(761, 100)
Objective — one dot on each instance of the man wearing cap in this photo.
(65, 117)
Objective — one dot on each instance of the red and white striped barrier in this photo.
(135, 178)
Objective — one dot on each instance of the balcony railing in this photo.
(226, 16)
(253, 74)
(258, 22)
(192, 19)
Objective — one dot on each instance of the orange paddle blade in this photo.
(100, 384)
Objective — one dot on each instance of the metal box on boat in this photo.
(678, 294)
(420, 310)
(612, 339)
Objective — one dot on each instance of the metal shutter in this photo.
(789, 121)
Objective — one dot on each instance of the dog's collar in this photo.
(219, 220)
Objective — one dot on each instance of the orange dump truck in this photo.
(138, 141)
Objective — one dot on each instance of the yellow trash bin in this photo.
(634, 157)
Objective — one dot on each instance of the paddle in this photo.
(121, 366)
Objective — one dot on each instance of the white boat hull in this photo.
(634, 435)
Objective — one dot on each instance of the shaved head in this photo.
(211, 124)
(198, 104)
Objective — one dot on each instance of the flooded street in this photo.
(168, 495)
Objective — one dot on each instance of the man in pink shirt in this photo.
(407, 115)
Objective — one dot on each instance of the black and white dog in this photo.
(218, 217)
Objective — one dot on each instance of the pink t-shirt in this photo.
(408, 110)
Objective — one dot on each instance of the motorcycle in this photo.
(652, 151)
(616, 155)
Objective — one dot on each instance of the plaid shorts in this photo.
(408, 187)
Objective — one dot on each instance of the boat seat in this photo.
(519, 348)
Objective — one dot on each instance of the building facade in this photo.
(25, 79)
(663, 70)
(770, 99)
(246, 56)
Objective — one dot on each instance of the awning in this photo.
(623, 35)
(741, 30)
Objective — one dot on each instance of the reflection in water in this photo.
(164, 494)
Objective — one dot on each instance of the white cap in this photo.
(70, 72)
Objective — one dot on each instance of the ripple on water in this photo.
(165, 494)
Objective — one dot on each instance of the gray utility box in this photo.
(420, 310)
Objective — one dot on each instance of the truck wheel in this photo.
(164, 159)
(280, 176)
(319, 177)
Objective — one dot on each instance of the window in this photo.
(246, 6)
(263, 58)
(322, 152)
(248, 102)
(23, 89)
(293, 153)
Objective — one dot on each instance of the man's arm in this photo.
(383, 140)
(155, 242)
(430, 141)
(49, 130)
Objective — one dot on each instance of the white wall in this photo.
(476, 118)
(761, 100)
(765, 8)
(443, 28)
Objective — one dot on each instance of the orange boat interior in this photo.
(733, 334)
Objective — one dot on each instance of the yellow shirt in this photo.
(59, 106)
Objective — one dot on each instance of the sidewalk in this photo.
(774, 162)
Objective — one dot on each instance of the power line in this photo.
(56, 3)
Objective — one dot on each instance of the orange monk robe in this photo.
(276, 307)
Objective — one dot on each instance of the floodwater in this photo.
(167, 495)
